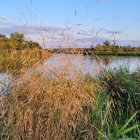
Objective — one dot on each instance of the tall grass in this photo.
(16, 60)
(48, 108)
(121, 100)
(43, 107)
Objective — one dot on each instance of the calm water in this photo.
(88, 64)
(83, 64)
(4, 80)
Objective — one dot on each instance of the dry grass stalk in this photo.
(43, 108)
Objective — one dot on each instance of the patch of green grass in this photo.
(120, 54)
(121, 100)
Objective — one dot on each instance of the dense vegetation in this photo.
(43, 107)
(105, 49)
(38, 105)
(16, 41)
(17, 52)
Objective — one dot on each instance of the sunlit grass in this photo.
(16, 60)
(64, 103)
(48, 108)
(43, 107)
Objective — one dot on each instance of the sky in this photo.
(72, 22)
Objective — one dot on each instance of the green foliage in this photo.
(17, 37)
(105, 49)
(16, 41)
(100, 50)
(120, 90)
(16, 52)
(124, 130)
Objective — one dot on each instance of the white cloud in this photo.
(55, 37)
(3, 18)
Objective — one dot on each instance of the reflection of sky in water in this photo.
(88, 64)
(4, 80)
(73, 63)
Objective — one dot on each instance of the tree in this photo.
(17, 37)
(106, 43)
(31, 44)
(2, 36)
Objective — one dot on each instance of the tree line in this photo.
(16, 41)
(108, 47)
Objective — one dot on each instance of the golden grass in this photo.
(40, 108)
(19, 59)
(63, 104)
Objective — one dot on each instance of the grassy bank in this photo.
(16, 52)
(40, 106)
(19, 59)
(55, 108)
(105, 49)
(94, 52)
(134, 54)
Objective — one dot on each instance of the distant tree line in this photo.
(102, 49)
(16, 41)
(107, 47)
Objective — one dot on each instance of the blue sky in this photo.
(121, 16)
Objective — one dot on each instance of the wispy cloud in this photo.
(54, 37)
(108, 18)
(98, 19)
(99, 1)
(112, 31)
(3, 17)
(27, 29)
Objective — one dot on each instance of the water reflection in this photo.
(76, 63)
(88, 64)
(4, 81)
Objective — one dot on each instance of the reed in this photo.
(43, 107)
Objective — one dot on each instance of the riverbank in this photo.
(44, 107)
(16, 52)
(51, 105)
(101, 51)
(116, 54)
(18, 59)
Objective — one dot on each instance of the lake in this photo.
(88, 64)
(79, 63)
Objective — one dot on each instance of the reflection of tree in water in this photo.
(104, 59)
(91, 58)
(97, 58)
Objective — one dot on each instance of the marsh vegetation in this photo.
(106, 48)
(45, 107)
(38, 105)
(17, 52)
